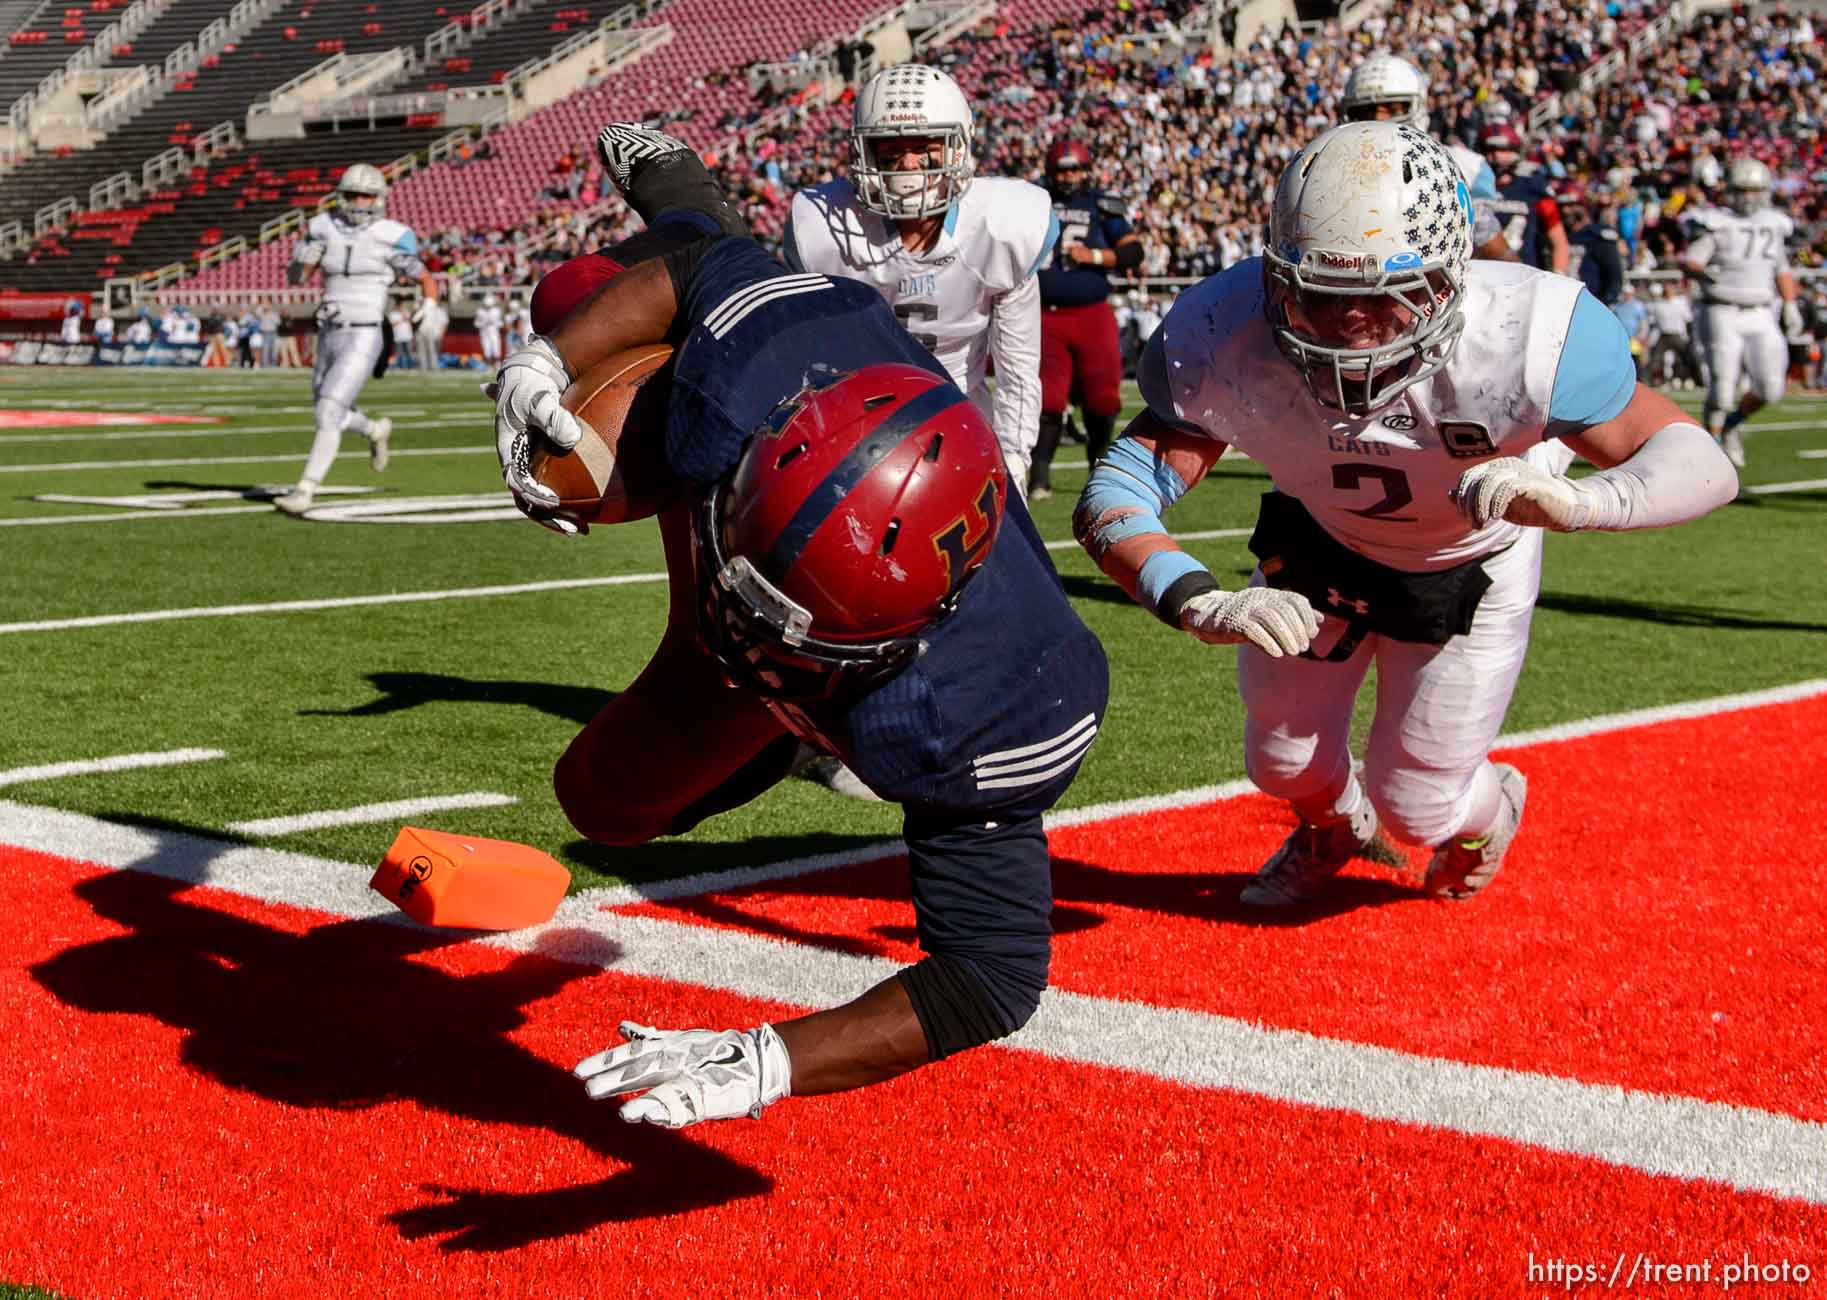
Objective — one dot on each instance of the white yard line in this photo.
(341, 602)
(1681, 1137)
(391, 598)
(296, 457)
(155, 431)
(1772, 489)
(365, 814)
(1813, 453)
(116, 763)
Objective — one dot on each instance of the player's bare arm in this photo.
(635, 307)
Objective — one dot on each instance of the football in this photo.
(617, 472)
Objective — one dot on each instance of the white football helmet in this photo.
(911, 100)
(1385, 80)
(361, 194)
(1707, 173)
(1364, 271)
(1747, 186)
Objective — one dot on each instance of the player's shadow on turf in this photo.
(1672, 615)
(348, 1015)
(404, 690)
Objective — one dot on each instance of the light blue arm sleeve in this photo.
(1597, 377)
(1125, 498)
(408, 242)
(1046, 246)
(1484, 185)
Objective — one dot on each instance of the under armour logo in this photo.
(1338, 601)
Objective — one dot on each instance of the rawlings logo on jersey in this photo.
(1399, 422)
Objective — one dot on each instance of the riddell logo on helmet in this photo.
(1339, 261)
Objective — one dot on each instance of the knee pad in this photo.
(332, 414)
(1419, 807)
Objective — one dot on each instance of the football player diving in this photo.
(1408, 405)
(848, 570)
(359, 251)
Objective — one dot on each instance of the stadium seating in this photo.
(210, 205)
(293, 40)
(43, 46)
(523, 38)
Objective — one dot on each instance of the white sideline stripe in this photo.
(152, 431)
(193, 513)
(1813, 453)
(349, 602)
(370, 812)
(118, 763)
(1671, 1136)
(169, 462)
(340, 602)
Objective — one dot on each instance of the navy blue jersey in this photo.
(1095, 220)
(1518, 212)
(995, 716)
(754, 331)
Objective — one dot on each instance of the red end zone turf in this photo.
(1658, 923)
(214, 1096)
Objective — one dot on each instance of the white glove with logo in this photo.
(1276, 622)
(690, 1075)
(527, 393)
(1792, 319)
(1514, 490)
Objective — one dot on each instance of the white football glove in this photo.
(1792, 319)
(527, 393)
(690, 1075)
(1276, 622)
(1512, 489)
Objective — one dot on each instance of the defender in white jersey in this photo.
(1385, 88)
(954, 255)
(1739, 256)
(359, 253)
(1399, 396)
(488, 322)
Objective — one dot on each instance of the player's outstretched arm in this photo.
(1118, 522)
(1657, 468)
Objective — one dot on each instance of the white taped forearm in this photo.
(1679, 474)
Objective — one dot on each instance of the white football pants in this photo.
(1743, 341)
(1439, 708)
(345, 359)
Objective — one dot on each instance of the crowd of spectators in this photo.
(1193, 140)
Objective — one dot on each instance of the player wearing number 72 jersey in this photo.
(1414, 462)
(954, 255)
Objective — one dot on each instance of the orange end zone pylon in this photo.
(468, 882)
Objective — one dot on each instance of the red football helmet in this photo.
(1499, 137)
(857, 513)
(1068, 155)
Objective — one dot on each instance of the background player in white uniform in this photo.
(1740, 257)
(1384, 88)
(954, 256)
(359, 252)
(488, 322)
(1411, 482)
